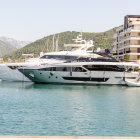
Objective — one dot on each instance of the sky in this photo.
(34, 19)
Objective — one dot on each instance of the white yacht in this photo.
(98, 69)
(9, 71)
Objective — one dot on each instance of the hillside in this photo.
(6, 48)
(16, 43)
(102, 40)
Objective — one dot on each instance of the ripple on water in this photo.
(36, 109)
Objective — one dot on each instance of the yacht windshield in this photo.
(60, 57)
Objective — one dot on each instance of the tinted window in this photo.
(78, 69)
(65, 57)
(103, 68)
(74, 69)
(45, 69)
(53, 69)
(66, 69)
(59, 68)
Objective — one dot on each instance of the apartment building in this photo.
(127, 39)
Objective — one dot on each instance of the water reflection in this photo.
(103, 89)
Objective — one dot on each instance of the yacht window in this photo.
(53, 69)
(63, 57)
(99, 59)
(67, 57)
(78, 69)
(44, 57)
(59, 68)
(68, 68)
(48, 69)
(58, 57)
(45, 69)
(74, 69)
(104, 68)
(64, 69)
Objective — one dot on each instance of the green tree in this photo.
(126, 58)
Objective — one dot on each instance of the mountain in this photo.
(102, 40)
(17, 44)
(6, 48)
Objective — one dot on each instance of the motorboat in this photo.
(87, 71)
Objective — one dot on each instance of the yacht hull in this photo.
(86, 78)
(133, 83)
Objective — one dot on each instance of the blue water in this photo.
(64, 110)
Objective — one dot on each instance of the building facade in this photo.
(127, 39)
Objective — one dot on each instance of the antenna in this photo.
(46, 44)
(53, 42)
(57, 43)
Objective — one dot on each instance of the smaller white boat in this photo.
(133, 83)
(0, 80)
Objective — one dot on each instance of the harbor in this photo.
(69, 69)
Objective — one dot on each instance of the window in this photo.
(61, 57)
(137, 27)
(63, 68)
(44, 69)
(59, 68)
(138, 50)
(48, 69)
(78, 69)
(68, 69)
(53, 69)
(104, 68)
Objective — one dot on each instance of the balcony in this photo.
(132, 30)
(134, 23)
(132, 37)
(128, 51)
(134, 51)
(132, 46)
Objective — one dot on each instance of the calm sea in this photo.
(64, 110)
